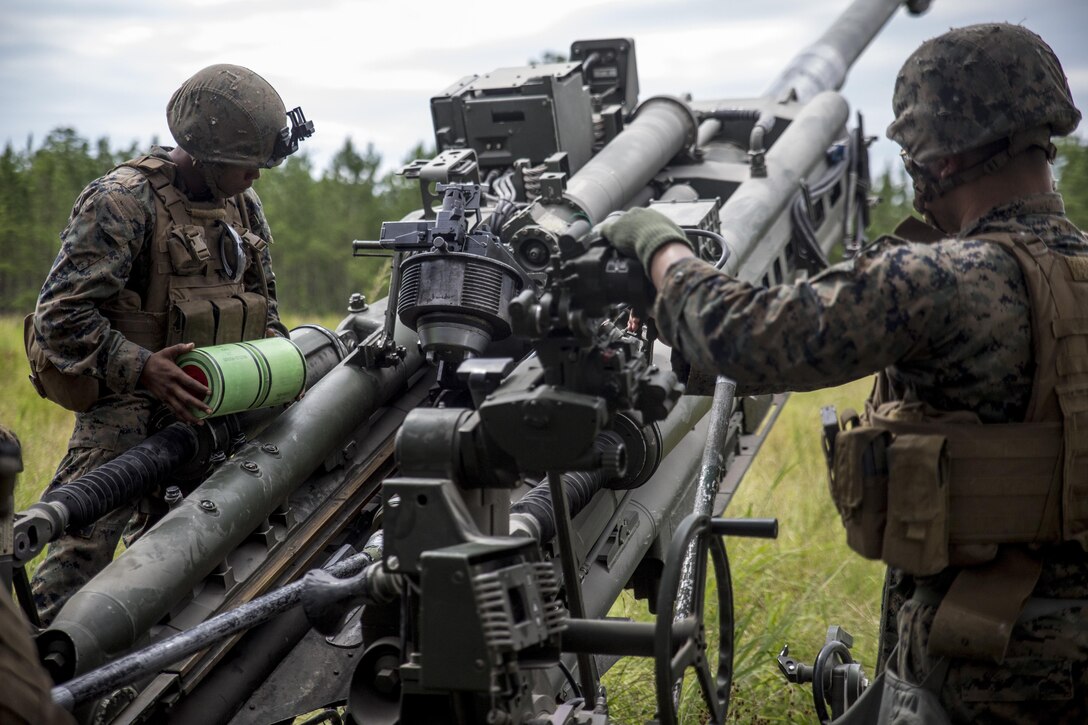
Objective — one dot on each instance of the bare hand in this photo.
(167, 382)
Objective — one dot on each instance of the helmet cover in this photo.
(977, 85)
(228, 114)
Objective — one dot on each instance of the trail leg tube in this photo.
(132, 667)
(587, 665)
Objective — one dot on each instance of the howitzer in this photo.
(526, 457)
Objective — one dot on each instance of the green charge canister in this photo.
(246, 375)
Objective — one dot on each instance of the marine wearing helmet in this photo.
(985, 92)
(166, 251)
(227, 116)
(975, 327)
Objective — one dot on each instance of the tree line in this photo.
(314, 217)
(314, 214)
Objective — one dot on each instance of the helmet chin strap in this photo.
(924, 195)
(928, 187)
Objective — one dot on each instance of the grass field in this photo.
(785, 590)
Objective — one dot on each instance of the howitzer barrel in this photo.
(822, 66)
(117, 607)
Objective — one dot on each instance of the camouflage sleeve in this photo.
(891, 301)
(104, 235)
(255, 211)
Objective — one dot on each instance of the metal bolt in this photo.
(250, 467)
(479, 664)
(208, 506)
(271, 448)
(357, 303)
(387, 680)
(173, 495)
(458, 577)
(394, 501)
(392, 563)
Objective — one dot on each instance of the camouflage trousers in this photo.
(1044, 676)
(112, 426)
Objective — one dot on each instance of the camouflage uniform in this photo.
(949, 321)
(101, 257)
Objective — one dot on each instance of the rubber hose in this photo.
(125, 478)
(580, 487)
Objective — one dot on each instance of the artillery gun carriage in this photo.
(485, 459)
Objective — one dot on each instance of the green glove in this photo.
(641, 232)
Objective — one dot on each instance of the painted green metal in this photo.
(246, 375)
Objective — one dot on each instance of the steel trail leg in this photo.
(587, 665)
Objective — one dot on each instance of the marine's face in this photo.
(234, 179)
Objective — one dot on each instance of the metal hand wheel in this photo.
(681, 644)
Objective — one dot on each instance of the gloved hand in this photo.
(641, 232)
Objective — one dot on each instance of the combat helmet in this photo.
(228, 114)
(976, 85)
(990, 84)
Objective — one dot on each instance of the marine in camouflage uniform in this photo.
(106, 252)
(946, 317)
(949, 322)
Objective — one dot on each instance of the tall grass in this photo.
(786, 590)
(43, 428)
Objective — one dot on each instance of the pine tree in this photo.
(1072, 170)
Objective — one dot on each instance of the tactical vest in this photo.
(198, 255)
(924, 490)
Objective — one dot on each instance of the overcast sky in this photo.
(367, 69)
